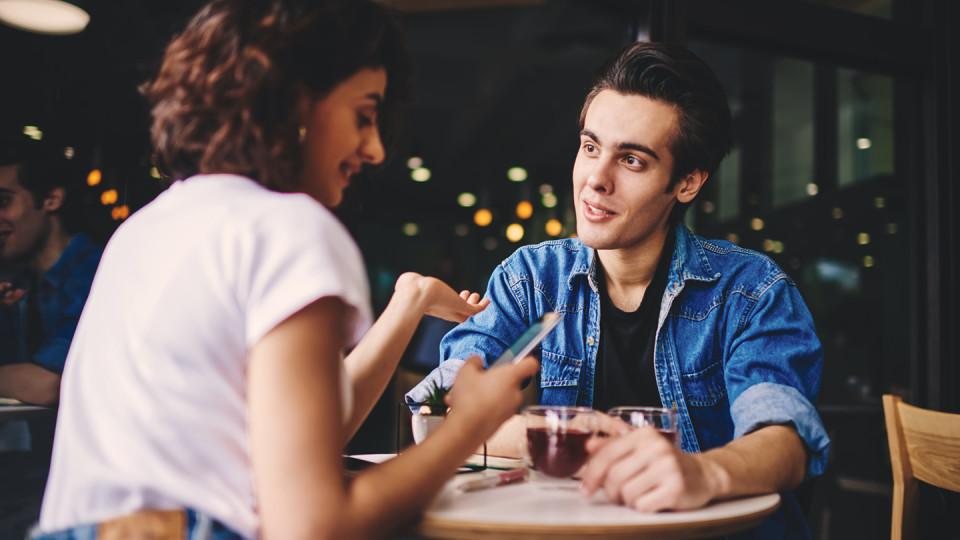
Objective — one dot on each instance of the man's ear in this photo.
(690, 185)
(54, 200)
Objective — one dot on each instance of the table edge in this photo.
(439, 526)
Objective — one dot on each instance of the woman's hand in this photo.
(434, 297)
(485, 399)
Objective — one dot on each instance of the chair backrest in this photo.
(924, 446)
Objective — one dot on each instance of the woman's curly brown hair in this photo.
(225, 98)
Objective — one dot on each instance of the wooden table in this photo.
(13, 411)
(533, 510)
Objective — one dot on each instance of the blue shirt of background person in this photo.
(60, 293)
(41, 305)
(735, 351)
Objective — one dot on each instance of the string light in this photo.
(812, 189)
(411, 229)
(517, 174)
(466, 199)
(863, 239)
(108, 197)
(94, 178)
(414, 162)
(420, 174)
(524, 209)
(549, 200)
(756, 224)
(33, 132)
(483, 217)
(515, 232)
(554, 227)
(119, 213)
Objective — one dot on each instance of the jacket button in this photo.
(590, 341)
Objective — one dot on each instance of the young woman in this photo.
(206, 391)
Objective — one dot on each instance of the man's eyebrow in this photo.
(5, 190)
(624, 145)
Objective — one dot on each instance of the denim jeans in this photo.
(199, 527)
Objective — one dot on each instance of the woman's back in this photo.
(153, 400)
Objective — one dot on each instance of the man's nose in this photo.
(600, 179)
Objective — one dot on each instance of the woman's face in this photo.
(342, 135)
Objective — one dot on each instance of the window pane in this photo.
(792, 130)
(864, 126)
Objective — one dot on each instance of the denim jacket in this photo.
(735, 347)
(61, 294)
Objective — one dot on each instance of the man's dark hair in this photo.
(42, 167)
(674, 75)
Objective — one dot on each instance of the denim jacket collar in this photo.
(76, 250)
(689, 262)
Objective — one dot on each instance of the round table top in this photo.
(560, 510)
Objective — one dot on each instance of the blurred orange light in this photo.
(554, 227)
(483, 217)
(94, 177)
(120, 212)
(108, 197)
(524, 210)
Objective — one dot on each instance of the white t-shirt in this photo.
(153, 398)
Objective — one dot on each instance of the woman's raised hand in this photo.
(437, 299)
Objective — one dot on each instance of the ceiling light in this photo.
(414, 162)
(44, 16)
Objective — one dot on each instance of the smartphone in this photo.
(530, 339)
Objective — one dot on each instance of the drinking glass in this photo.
(557, 439)
(661, 419)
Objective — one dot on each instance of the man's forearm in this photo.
(771, 459)
(29, 383)
(508, 441)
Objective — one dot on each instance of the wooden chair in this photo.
(925, 446)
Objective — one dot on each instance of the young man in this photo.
(655, 315)
(40, 306)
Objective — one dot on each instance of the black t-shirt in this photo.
(625, 373)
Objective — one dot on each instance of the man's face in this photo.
(622, 170)
(23, 226)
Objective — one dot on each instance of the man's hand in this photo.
(10, 295)
(642, 469)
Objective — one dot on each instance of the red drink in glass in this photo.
(557, 453)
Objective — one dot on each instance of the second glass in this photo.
(663, 420)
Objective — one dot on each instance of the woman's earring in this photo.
(301, 133)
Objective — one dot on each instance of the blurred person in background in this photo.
(49, 266)
(207, 392)
(46, 268)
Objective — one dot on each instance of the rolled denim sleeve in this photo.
(773, 372)
(486, 334)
